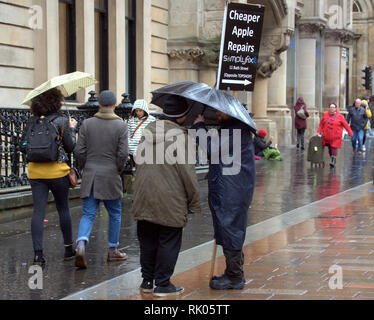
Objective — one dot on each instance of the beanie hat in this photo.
(107, 98)
(176, 107)
(262, 133)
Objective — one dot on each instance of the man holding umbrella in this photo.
(229, 198)
(230, 185)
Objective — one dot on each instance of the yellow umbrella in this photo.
(68, 84)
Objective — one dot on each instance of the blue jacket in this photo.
(230, 195)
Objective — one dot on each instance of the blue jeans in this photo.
(90, 208)
(358, 135)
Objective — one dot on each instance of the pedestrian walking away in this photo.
(230, 195)
(140, 119)
(357, 118)
(102, 151)
(331, 129)
(164, 193)
(301, 114)
(48, 168)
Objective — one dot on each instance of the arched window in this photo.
(356, 7)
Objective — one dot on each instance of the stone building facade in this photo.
(313, 49)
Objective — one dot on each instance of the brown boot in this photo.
(80, 258)
(116, 256)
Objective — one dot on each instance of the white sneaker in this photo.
(363, 148)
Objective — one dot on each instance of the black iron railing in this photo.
(13, 167)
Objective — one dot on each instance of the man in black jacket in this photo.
(357, 119)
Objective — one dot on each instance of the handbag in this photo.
(301, 113)
(73, 177)
(63, 157)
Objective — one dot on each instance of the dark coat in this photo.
(102, 151)
(357, 118)
(300, 123)
(230, 195)
(260, 144)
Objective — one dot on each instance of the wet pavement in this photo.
(280, 188)
(327, 257)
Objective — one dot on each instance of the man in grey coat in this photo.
(102, 151)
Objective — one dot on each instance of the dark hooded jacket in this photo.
(300, 123)
(230, 195)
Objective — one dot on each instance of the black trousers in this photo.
(159, 250)
(300, 137)
(60, 190)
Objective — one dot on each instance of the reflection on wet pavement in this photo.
(280, 187)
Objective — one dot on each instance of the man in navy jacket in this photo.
(230, 193)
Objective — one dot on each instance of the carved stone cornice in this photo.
(309, 27)
(339, 37)
(190, 54)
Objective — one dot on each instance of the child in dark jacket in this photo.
(260, 143)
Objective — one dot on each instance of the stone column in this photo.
(306, 72)
(143, 49)
(46, 47)
(260, 98)
(259, 108)
(85, 17)
(335, 67)
(278, 110)
(117, 47)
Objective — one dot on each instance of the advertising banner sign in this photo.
(240, 46)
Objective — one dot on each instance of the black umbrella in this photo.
(204, 100)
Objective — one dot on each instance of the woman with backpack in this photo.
(331, 129)
(301, 114)
(46, 141)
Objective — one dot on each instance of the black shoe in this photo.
(69, 253)
(167, 291)
(39, 258)
(332, 162)
(146, 286)
(297, 146)
(302, 148)
(224, 283)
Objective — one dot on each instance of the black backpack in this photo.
(42, 140)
